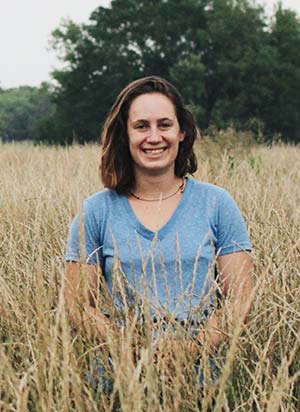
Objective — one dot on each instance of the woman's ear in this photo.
(181, 136)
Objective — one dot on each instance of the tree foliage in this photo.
(283, 112)
(23, 111)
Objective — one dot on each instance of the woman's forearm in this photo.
(79, 300)
(90, 319)
(233, 313)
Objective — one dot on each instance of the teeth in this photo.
(153, 151)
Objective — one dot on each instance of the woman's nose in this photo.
(154, 135)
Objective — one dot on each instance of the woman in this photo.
(157, 235)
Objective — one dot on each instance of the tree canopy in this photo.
(23, 112)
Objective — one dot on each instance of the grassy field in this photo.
(44, 365)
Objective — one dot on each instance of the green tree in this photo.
(189, 75)
(236, 35)
(282, 114)
(22, 110)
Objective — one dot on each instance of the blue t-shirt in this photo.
(175, 266)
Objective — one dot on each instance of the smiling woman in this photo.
(157, 233)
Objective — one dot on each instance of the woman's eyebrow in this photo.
(141, 120)
(165, 118)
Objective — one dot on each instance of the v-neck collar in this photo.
(162, 232)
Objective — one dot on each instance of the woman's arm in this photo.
(237, 285)
(81, 291)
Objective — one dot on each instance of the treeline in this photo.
(26, 112)
(234, 66)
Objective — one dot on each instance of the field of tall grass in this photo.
(47, 366)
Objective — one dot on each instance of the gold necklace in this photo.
(180, 189)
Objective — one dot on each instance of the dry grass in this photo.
(44, 365)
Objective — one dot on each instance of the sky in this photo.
(25, 30)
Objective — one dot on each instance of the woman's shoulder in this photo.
(101, 195)
(207, 189)
(211, 196)
(100, 200)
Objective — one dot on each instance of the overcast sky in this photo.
(25, 28)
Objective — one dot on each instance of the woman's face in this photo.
(154, 133)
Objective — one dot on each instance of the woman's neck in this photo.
(155, 185)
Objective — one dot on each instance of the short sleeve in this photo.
(232, 234)
(83, 242)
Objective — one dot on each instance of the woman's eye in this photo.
(140, 126)
(165, 125)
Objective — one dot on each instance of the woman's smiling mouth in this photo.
(154, 151)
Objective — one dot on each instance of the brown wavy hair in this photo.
(117, 166)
